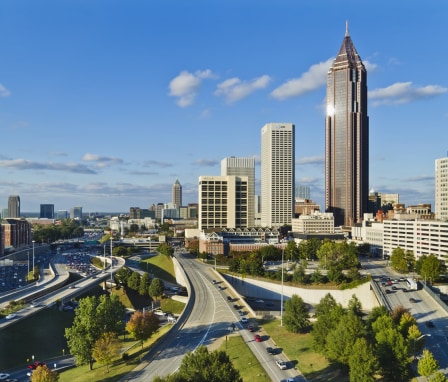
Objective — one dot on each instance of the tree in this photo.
(291, 251)
(134, 281)
(362, 362)
(144, 284)
(430, 267)
(355, 306)
(438, 377)
(44, 374)
(156, 288)
(122, 275)
(92, 318)
(165, 249)
(398, 260)
(204, 366)
(142, 325)
(341, 339)
(427, 365)
(296, 315)
(106, 349)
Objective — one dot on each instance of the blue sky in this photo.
(104, 103)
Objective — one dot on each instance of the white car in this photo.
(244, 320)
(10, 317)
(281, 364)
(3, 376)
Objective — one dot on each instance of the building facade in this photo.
(441, 189)
(347, 137)
(317, 222)
(46, 211)
(176, 194)
(222, 202)
(76, 213)
(243, 167)
(277, 174)
(14, 206)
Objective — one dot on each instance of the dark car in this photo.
(270, 350)
(430, 324)
(412, 300)
(229, 298)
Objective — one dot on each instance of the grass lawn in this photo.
(161, 266)
(243, 359)
(298, 347)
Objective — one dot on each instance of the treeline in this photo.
(140, 283)
(68, 229)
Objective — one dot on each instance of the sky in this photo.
(105, 103)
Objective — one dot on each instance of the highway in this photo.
(208, 317)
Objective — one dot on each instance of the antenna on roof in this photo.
(346, 28)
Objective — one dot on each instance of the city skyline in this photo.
(104, 104)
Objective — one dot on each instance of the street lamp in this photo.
(28, 265)
(111, 263)
(33, 255)
(281, 297)
(418, 339)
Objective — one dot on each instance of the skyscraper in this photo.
(441, 189)
(46, 211)
(243, 167)
(222, 202)
(14, 206)
(347, 137)
(277, 174)
(176, 194)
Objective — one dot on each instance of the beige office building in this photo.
(223, 202)
(441, 189)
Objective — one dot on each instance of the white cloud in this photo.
(314, 78)
(311, 160)
(3, 91)
(23, 164)
(101, 161)
(186, 86)
(404, 92)
(234, 89)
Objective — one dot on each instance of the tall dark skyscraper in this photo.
(14, 206)
(347, 137)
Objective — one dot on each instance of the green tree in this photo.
(44, 374)
(341, 339)
(296, 315)
(362, 362)
(156, 288)
(106, 349)
(144, 284)
(291, 251)
(165, 249)
(427, 365)
(355, 306)
(122, 275)
(92, 318)
(327, 313)
(204, 366)
(335, 274)
(430, 268)
(142, 325)
(119, 251)
(438, 377)
(134, 281)
(299, 275)
(398, 260)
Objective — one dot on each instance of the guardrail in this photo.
(379, 295)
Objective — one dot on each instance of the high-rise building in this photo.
(277, 174)
(176, 194)
(76, 213)
(14, 206)
(223, 202)
(303, 192)
(46, 211)
(441, 189)
(347, 137)
(243, 167)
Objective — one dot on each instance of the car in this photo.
(281, 364)
(404, 290)
(430, 324)
(388, 291)
(270, 350)
(250, 328)
(290, 380)
(244, 320)
(10, 316)
(229, 298)
(240, 312)
(412, 300)
(394, 287)
(235, 306)
(214, 281)
(257, 338)
(259, 301)
(4, 376)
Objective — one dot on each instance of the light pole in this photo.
(111, 264)
(33, 255)
(418, 339)
(28, 265)
(281, 297)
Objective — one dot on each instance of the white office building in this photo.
(441, 189)
(243, 167)
(223, 202)
(277, 174)
(317, 222)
